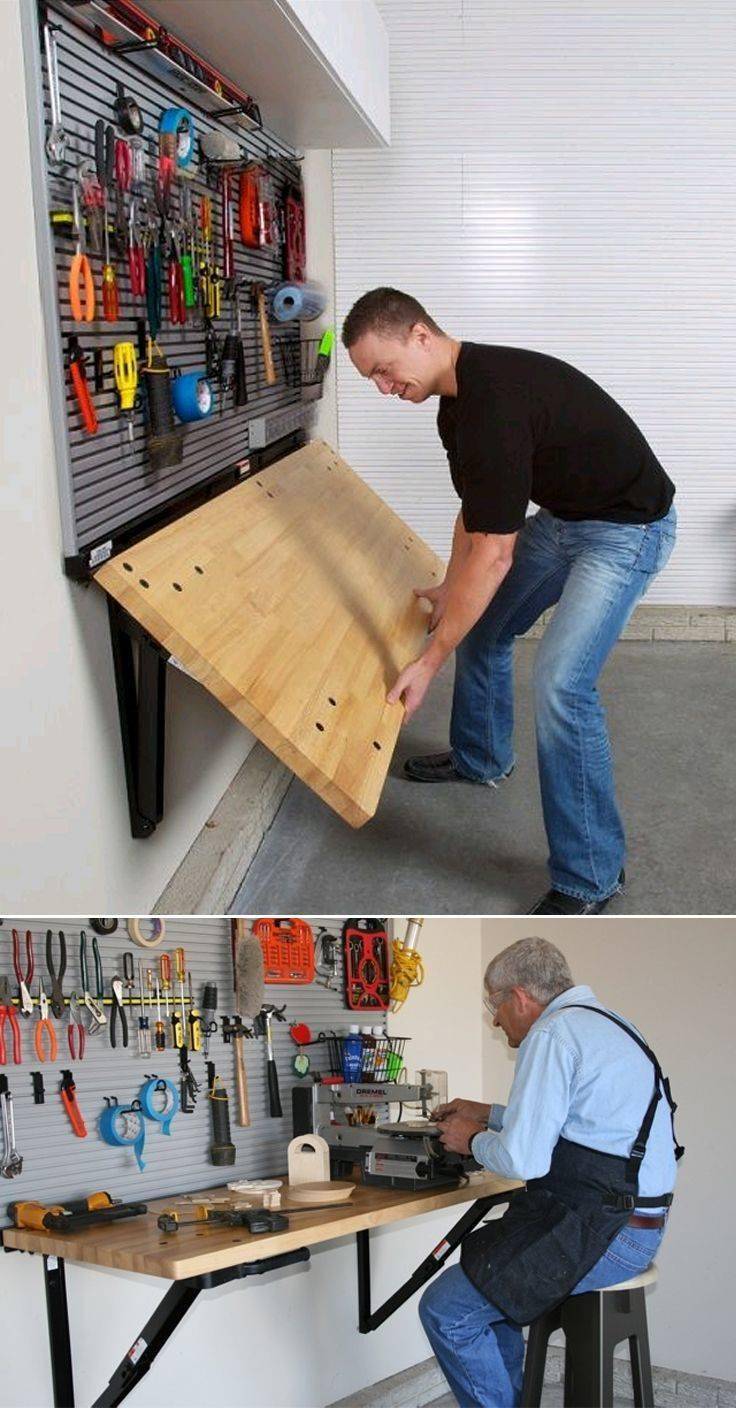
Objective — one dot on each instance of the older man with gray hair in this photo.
(587, 1130)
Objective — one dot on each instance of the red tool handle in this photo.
(176, 292)
(29, 957)
(137, 269)
(110, 301)
(69, 1101)
(84, 400)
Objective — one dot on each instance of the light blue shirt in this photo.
(577, 1075)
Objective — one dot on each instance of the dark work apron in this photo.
(562, 1224)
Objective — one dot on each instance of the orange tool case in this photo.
(288, 950)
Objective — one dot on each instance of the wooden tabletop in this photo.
(289, 597)
(138, 1245)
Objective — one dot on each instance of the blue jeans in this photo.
(480, 1352)
(595, 572)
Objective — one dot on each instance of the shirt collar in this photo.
(580, 993)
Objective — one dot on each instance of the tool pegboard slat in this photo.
(56, 1163)
(108, 487)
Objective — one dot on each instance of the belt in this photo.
(636, 1220)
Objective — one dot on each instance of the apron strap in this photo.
(661, 1083)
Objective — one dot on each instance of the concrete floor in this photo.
(458, 849)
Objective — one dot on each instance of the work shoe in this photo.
(555, 902)
(439, 767)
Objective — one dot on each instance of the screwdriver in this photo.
(144, 1031)
(105, 165)
(195, 1021)
(125, 364)
(160, 1028)
(164, 964)
(181, 969)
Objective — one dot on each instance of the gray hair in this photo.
(535, 965)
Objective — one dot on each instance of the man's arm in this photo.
(536, 1112)
(480, 565)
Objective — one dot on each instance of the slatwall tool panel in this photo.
(58, 1164)
(108, 489)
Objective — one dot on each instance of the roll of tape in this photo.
(192, 396)
(157, 1086)
(136, 933)
(181, 122)
(302, 301)
(123, 1127)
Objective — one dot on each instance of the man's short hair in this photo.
(533, 964)
(387, 311)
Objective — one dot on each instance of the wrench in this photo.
(12, 1163)
(56, 140)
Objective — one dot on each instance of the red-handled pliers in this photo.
(24, 983)
(75, 1032)
(44, 1028)
(123, 164)
(7, 1013)
(136, 256)
(177, 310)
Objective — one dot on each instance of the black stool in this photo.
(593, 1324)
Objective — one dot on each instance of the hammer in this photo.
(259, 298)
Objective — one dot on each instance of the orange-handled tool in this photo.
(44, 1028)
(105, 164)
(68, 1092)
(164, 967)
(80, 387)
(80, 274)
(181, 970)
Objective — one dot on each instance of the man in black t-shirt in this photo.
(520, 427)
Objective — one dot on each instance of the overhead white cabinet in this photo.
(318, 69)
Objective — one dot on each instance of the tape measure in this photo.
(192, 396)
(149, 1097)
(181, 123)
(123, 1126)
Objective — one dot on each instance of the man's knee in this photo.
(427, 1304)
(555, 690)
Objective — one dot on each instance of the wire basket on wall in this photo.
(300, 364)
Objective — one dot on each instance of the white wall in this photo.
(68, 844)
(676, 980)
(561, 178)
(289, 1341)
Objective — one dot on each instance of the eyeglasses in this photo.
(492, 1003)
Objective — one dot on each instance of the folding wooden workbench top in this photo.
(289, 597)
(137, 1244)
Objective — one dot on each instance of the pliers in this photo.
(57, 994)
(80, 274)
(95, 1009)
(7, 1013)
(177, 311)
(117, 1006)
(24, 983)
(44, 1028)
(75, 1032)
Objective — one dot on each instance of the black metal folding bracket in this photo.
(157, 1330)
(141, 692)
(369, 1320)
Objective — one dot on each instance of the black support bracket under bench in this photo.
(141, 691)
(369, 1320)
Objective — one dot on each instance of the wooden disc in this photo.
(320, 1192)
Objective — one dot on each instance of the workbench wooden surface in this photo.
(289, 597)
(138, 1245)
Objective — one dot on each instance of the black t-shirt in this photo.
(525, 426)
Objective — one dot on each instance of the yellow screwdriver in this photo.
(195, 1020)
(181, 972)
(125, 363)
(164, 964)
